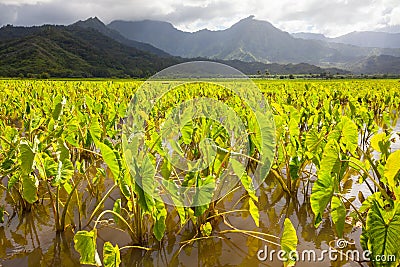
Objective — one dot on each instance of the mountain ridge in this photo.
(88, 48)
(247, 40)
(97, 24)
(72, 51)
(371, 39)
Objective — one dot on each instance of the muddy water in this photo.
(30, 239)
(33, 242)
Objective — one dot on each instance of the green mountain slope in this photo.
(72, 52)
(95, 23)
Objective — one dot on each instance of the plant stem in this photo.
(281, 181)
(355, 209)
(119, 217)
(100, 203)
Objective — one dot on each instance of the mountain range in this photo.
(363, 39)
(90, 48)
(247, 40)
(72, 51)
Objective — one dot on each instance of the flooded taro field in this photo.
(68, 197)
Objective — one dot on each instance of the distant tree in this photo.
(44, 75)
(291, 76)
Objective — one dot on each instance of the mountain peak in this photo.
(92, 22)
(252, 22)
(248, 19)
(251, 17)
(94, 19)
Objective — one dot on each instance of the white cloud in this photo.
(333, 17)
(23, 2)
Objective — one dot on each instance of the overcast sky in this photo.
(332, 18)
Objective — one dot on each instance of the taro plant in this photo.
(199, 140)
(379, 214)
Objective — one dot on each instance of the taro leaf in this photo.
(182, 214)
(65, 172)
(356, 164)
(71, 134)
(380, 142)
(392, 169)
(124, 184)
(26, 157)
(145, 179)
(254, 128)
(29, 188)
(172, 188)
(268, 142)
(111, 256)
(95, 129)
(110, 159)
(289, 243)
(253, 209)
(321, 195)
(7, 164)
(187, 132)
(313, 140)
(204, 194)
(367, 203)
(63, 150)
(145, 201)
(155, 142)
(382, 231)
(330, 162)
(294, 128)
(246, 180)
(166, 169)
(10, 136)
(338, 214)
(348, 134)
(159, 216)
(176, 147)
(117, 209)
(12, 181)
(85, 244)
(59, 103)
(294, 167)
(49, 168)
(206, 229)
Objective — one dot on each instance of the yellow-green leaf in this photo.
(321, 195)
(206, 229)
(338, 214)
(159, 216)
(111, 255)
(392, 168)
(376, 139)
(85, 244)
(30, 185)
(110, 159)
(289, 243)
(26, 157)
(254, 212)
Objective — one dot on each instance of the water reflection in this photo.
(30, 240)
